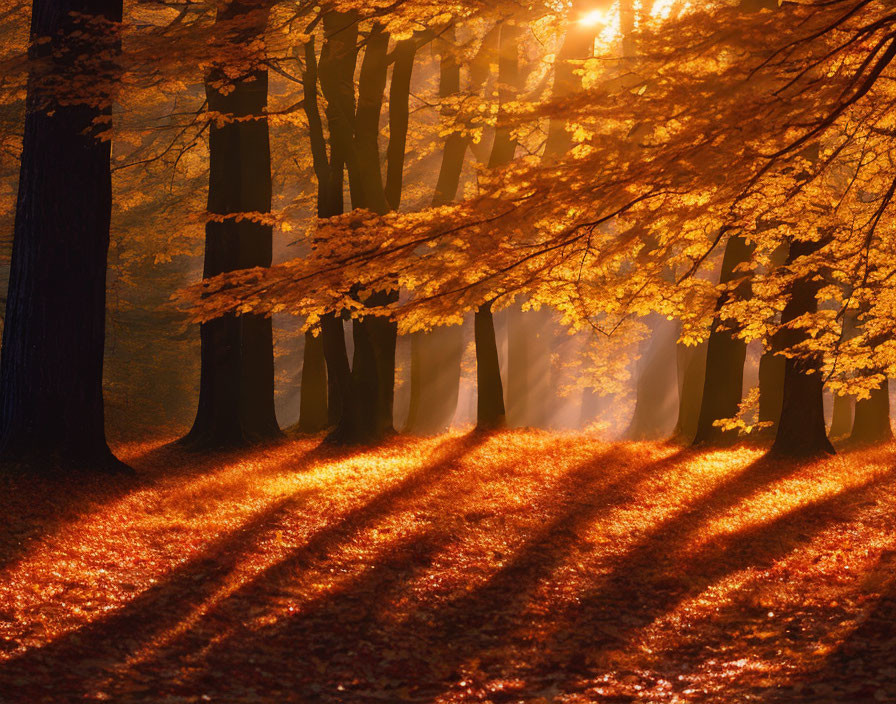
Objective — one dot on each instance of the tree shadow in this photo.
(659, 573)
(863, 667)
(77, 660)
(33, 508)
(334, 647)
(391, 630)
(434, 645)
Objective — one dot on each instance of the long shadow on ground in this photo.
(389, 631)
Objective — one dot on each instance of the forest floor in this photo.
(520, 567)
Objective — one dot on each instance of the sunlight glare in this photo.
(594, 18)
(606, 22)
(662, 9)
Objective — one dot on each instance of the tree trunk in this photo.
(490, 413)
(872, 418)
(236, 387)
(373, 362)
(51, 412)
(725, 355)
(691, 377)
(771, 368)
(657, 386)
(336, 75)
(317, 389)
(313, 416)
(802, 427)
(842, 418)
(504, 146)
(368, 404)
(771, 389)
(339, 372)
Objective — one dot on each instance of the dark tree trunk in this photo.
(725, 355)
(368, 404)
(504, 146)
(802, 428)
(490, 413)
(691, 376)
(51, 413)
(399, 117)
(842, 417)
(771, 390)
(313, 415)
(337, 68)
(373, 362)
(317, 389)
(456, 143)
(872, 418)
(236, 387)
(436, 355)
(339, 372)
(771, 369)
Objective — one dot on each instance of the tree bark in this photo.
(490, 414)
(691, 377)
(657, 382)
(771, 389)
(313, 412)
(725, 355)
(51, 404)
(367, 406)
(338, 59)
(842, 418)
(373, 362)
(872, 418)
(802, 427)
(317, 388)
(236, 387)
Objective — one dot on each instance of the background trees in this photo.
(603, 165)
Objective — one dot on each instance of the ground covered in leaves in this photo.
(521, 567)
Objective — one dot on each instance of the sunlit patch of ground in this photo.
(521, 567)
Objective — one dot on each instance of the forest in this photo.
(506, 351)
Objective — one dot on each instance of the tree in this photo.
(705, 133)
(691, 378)
(871, 425)
(656, 385)
(725, 353)
(236, 387)
(339, 55)
(802, 431)
(51, 412)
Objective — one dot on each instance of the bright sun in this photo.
(594, 18)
